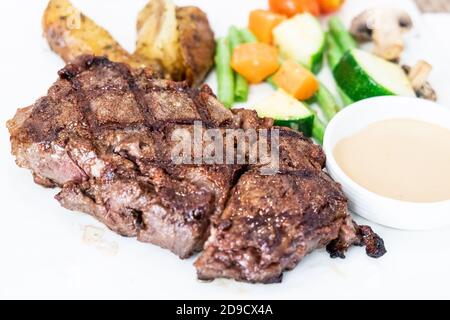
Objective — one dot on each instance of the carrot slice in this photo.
(262, 22)
(329, 6)
(296, 80)
(293, 7)
(255, 61)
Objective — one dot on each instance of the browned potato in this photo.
(157, 37)
(175, 43)
(196, 42)
(179, 37)
(70, 33)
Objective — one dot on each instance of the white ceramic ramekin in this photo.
(385, 211)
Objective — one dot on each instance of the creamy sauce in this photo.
(401, 159)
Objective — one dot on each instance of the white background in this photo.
(42, 251)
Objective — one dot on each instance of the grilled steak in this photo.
(103, 134)
(271, 223)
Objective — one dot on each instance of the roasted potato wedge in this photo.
(70, 33)
(179, 37)
(196, 43)
(173, 42)
(157, 37)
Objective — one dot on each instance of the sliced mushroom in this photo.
(385, 27)
(418, 76)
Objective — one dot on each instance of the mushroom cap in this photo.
(364, 24)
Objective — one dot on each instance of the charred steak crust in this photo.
(103, 135)
(270, 223)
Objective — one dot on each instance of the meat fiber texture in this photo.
(102, 134)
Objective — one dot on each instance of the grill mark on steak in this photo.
(70, 73)
(200, 106)
(139, 97)
(84, 104)
(102, 134)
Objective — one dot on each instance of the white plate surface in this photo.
(42, 251)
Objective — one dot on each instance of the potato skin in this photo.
(196, 43)
(70, 33)
(179, 37)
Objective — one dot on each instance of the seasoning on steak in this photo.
(271, 222)
(103, 135)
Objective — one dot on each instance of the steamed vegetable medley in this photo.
(285, 46)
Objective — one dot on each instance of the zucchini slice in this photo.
(362, 75)
(301, 38)
(287, 112)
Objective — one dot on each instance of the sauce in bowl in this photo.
(402, 159)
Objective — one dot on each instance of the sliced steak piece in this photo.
(271, 222)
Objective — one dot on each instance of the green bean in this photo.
(234, 37)
(247, 36)
(225, 76)
(327, 102)
(339, 41)
(334, 53)
(241, 85)
(340, 34)
(241, 89)
(318, 131)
